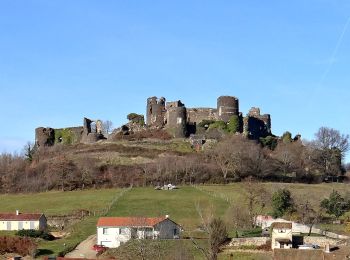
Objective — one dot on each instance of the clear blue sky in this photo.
(63, 60)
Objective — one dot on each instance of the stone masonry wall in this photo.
(249, 241)
(321, 241)
(196, 115)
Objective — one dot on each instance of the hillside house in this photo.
(281, 236)
(19, 221)
(114, 231)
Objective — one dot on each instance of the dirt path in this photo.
(83, 250)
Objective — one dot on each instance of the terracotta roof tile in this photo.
(20, 216)
(286, 225)
(128, 221)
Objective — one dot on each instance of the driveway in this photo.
(83, 250)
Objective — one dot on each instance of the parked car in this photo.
(99, 248)
(309, 246)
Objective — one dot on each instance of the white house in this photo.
(114, 231)
(281, 236)
(19, 221)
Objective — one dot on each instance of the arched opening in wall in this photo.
(93, 127)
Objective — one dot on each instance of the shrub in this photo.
(35, 234)
(64, 136)
(287, 137)
(335, 205)
(282, 203)
(206, 123)
(136, 118)
(233, 124)
(269, 141)
(219, 125)
(19, 245)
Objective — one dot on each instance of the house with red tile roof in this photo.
(114, 231)
(19, 221)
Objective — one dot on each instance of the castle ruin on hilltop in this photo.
(174, 117)
(183, 121)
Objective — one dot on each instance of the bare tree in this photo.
(288, 158)
(239, 157)
(256, 197)
(28, 151)
(217, 234)
(332, 147)
(228, 154)
(107, 126)
(329, 138)
(308, 215)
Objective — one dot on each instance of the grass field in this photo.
(314, 193)
(180, 204)
(57, 202)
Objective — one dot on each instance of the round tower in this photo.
(177, 121)
(227, 106)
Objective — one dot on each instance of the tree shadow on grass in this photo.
(43, 252)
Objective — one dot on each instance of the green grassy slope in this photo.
(180, 204)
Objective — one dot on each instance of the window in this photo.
(122, 231)
(105, 231)
(32, 225)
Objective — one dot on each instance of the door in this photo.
(20, 225)
(8, 225)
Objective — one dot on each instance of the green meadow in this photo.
(184, 205)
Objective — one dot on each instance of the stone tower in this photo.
(227, 106)
(257, 125)
(155, 112)
(177, 119)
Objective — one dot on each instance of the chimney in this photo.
(167, 216)
(17, 212)
(327, 248)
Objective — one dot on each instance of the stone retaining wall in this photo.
(249, 241)
(321, 241)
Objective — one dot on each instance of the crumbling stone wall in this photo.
(68, 135)
(256, 125)
(44, 136)
(177, 103)
(249, 241)
(156, 112)
(49, 136)
(197, 115)
(90, 136)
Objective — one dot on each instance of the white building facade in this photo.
(281, 236)
(19, 221)
(114, 231)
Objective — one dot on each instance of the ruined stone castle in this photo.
(183, 121)
(90, 132)
(173, 116)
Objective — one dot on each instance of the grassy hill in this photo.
(182, 205)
